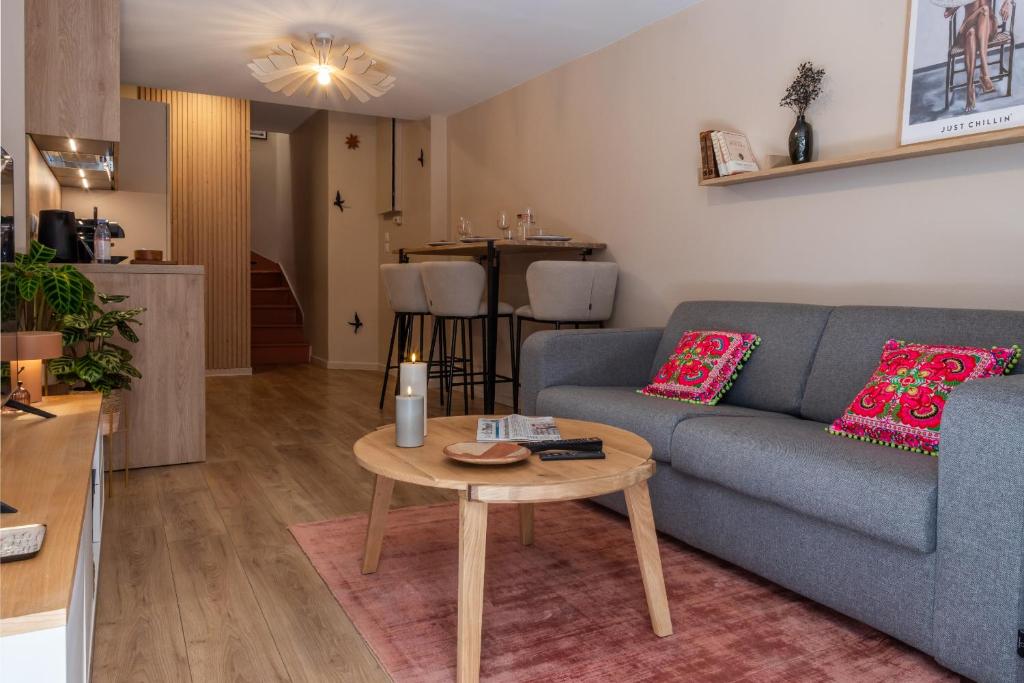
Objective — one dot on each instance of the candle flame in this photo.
(413, 359)
(408, 391)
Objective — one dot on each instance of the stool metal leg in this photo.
(466, 369)
(387, 365)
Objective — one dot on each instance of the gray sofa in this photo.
(928, 550)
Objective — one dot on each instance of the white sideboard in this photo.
(53, 474)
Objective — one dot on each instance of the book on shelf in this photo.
(708, 168)
(730, 153)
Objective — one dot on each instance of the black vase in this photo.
(801, 141)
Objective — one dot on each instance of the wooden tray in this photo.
(477, 453)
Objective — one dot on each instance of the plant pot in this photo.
(112, 410)
(801, 141)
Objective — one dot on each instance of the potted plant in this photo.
(38, 295)
(92, 360)
(804, 89)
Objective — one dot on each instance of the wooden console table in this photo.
(53, 475)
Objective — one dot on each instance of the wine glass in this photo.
(463, 227)
(504, 227)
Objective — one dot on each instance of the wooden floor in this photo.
(200, 579)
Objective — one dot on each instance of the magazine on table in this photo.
(516, 428)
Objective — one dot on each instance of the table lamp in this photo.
(26, 352)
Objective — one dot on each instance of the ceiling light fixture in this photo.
(290, 67)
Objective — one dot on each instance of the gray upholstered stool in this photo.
(565, 293)
(404, 288)
(455, 290)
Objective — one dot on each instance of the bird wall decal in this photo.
(339, 202)
(356, 323)
(420, 158)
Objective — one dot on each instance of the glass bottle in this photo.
(101, 241)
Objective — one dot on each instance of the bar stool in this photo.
(565, 293)
(455, 291)
(404, 288)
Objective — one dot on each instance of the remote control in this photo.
(591, 444)
(572, 455)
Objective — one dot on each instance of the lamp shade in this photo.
(31, 345)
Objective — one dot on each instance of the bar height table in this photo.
(490, 252)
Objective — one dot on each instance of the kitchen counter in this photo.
(138, 268)
(166, 409)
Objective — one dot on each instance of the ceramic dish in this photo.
(476, 453)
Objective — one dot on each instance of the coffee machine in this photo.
(72, 237)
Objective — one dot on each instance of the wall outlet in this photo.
(397, 220)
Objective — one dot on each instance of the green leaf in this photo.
(129, 369)
(108, 358)
(38, 253)
(111, 298)
(64, 290)
(27, 287)
(76, 321)
(127, 333)
(61, 366)
(88, 368)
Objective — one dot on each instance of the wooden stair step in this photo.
(280, 354)
(268, 314)
(272, 295)
(278, 333)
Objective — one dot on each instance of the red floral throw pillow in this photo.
(902, 404)
(703, 366)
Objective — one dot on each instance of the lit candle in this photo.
(413, 374)
(409, 419)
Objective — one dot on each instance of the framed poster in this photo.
(962, 76)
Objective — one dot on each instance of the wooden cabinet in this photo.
(73, 69)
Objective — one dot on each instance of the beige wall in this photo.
(606, 148)
(352, 246)
(309, 155)
(273, 235)
(12, 109)
(416, 218)
(42, 188)
(140, 203)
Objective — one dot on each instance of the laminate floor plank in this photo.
(227, 636)
(138, 634)
(201, 579)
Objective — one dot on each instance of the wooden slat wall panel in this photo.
(210, 221)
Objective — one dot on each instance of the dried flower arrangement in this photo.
(804, 89)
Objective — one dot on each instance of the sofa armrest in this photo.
(607, 358)
(980, 562)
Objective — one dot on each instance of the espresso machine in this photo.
(72, 237)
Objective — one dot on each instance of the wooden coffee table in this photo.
(627, 468)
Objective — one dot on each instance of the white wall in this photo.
(606, 148)
(273, 232)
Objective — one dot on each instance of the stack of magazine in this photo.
(725, 153)
(516, 428)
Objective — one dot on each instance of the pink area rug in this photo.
(571, 607)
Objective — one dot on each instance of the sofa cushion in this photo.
(853, 339)
(878, 491)
(652, 418)
(903, 402)
(774, 377)
(703, 366)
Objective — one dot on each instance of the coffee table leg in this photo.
(526, 523)
(472, 548)
(382, 489)
(638, 500)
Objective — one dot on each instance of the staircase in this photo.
(277, 336)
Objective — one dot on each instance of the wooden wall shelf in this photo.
(1001, 137)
